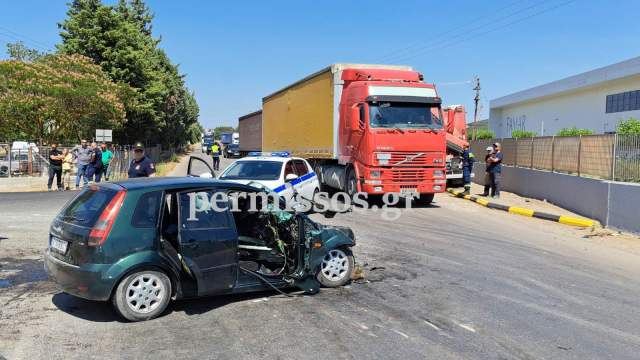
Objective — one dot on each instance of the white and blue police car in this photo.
(278, 171)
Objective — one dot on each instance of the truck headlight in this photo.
(438, 173)
(375, 173)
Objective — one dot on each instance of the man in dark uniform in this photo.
(55, 167)
(141, 165)
(495, 170)
(467, 166)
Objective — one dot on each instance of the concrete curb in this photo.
(568, 220)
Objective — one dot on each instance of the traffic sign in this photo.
(104, 135)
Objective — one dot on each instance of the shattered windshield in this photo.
(404, 115)
(253, 170)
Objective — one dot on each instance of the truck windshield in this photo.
(404, 115)
(253, 170)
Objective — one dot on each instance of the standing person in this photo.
(55, 167)
(495, 170)
(487, 177)
(215, 153)
(107, 155)
(83, 153)
(67, 165)
(94, 170)
(141, 165)
(467, 166)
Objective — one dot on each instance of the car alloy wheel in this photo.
(335, 265)
(145, 293)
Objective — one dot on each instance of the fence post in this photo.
(515, 161)
(613, 158)
(553, 152)
(579, 152)
(531, 163)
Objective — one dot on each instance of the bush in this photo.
(631, 126)
(518, 134)
(483, 134)
(574, 131)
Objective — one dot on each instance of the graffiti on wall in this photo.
(515, 123)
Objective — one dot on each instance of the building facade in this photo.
(595, 100)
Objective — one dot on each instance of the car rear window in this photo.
(86, 208)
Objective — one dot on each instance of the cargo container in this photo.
(250, 130)
(365, 128)
(455, 124)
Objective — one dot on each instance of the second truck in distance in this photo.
(370, 128)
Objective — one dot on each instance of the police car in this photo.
(277, 171)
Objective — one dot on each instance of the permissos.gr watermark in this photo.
(322, 202)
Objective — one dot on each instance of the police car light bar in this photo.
(274, 153)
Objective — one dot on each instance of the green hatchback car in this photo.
(140, 243)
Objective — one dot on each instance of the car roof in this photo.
(168, 183)
(269, 158)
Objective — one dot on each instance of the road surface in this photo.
(451, 281)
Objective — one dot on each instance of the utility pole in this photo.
(476, 99)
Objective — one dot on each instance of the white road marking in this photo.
(467, 327)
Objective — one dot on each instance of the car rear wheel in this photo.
(142, 295)
(336, 268)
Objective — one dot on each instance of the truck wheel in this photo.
(424, 199)
(352, 183)
(142, 295)
(336, 268)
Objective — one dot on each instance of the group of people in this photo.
(493, 170)
(92, 161)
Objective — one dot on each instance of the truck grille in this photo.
(425, 159)
(409, 175)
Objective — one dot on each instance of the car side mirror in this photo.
(290, 177)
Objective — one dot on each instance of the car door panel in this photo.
(208, 242)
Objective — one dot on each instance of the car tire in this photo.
(142, 295)
(424, 199)
(336, 268)
(352, 183)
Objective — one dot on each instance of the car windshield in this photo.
(404, 115)
(253, 170)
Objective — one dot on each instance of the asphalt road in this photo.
(454, 280)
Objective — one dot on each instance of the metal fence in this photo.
(609, 156)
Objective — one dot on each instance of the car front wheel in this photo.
(142, 295)
(336, 268)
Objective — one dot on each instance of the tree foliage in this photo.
(119, 39)
(574, 131)
(631, 126)
(519, 134)
(223, 129)
(58, 98)
(18, 51)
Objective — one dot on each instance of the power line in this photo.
(19, 37)
(473, 36)
(455, 29)
(490, 22)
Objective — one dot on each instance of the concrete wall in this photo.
(583, 108)
(613, 204)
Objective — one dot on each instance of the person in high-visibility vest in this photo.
(215, 153)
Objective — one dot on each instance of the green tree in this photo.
(222, 129)
(18, 51)
(58, 98)
(574, 131)
(519, 134)
(631, 126)
(119, 39)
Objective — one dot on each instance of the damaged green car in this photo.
(141, 243)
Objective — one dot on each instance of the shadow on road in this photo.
(102, 311)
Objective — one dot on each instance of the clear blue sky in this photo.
(235, 52)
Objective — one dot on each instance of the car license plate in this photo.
(59, 245)
(409, 192)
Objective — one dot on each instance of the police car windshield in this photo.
(253, 170)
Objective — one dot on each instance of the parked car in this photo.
(283, 174)
(140, 243)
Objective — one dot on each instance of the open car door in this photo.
(198, 167)
(208, 241)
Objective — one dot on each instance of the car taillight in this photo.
(101, 230)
